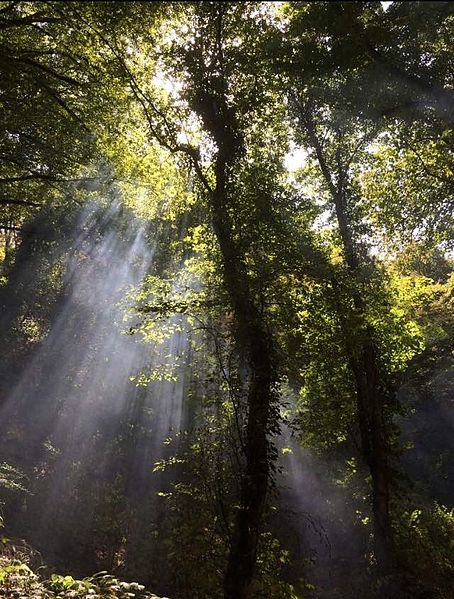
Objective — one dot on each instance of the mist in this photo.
(75, 419)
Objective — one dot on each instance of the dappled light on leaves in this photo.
(226, 298)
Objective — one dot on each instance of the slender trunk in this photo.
(370, 405)
(254, 483)
(252, 336)
(254, 340)
(364, 363)
(371, 400)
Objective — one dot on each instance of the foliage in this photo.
(425, 543)
(18, 580)
(11, 478)
(185, 113)
(407, 190)
(200, 511)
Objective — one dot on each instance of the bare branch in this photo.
(49, 178)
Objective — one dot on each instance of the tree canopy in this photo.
(227, 292)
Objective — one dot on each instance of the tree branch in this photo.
(172, 146)
(43, 177)
(54, 95)
(38, 65)
(19, 202)
(29, 20)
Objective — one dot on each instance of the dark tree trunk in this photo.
(255, 343)
(364, 362)
(254, 483)
(370, 399)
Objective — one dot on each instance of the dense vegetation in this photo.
(227, 299)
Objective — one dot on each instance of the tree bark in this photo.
(255, 343)
(364, 363)
(371, 399)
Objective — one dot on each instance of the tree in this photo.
(209, 85)
(212, 93)
(294, 285)
(52, 81)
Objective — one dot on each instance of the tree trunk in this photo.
(209, 93)
(371, 400)
(364, 362)
(255, 344)
(370, 405)
(254, 482)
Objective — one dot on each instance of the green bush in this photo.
(18, 581)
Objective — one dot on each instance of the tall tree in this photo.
(217, 91)
(210, 88)
(334, 54)
(372, 388)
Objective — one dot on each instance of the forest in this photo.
(226, 300)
